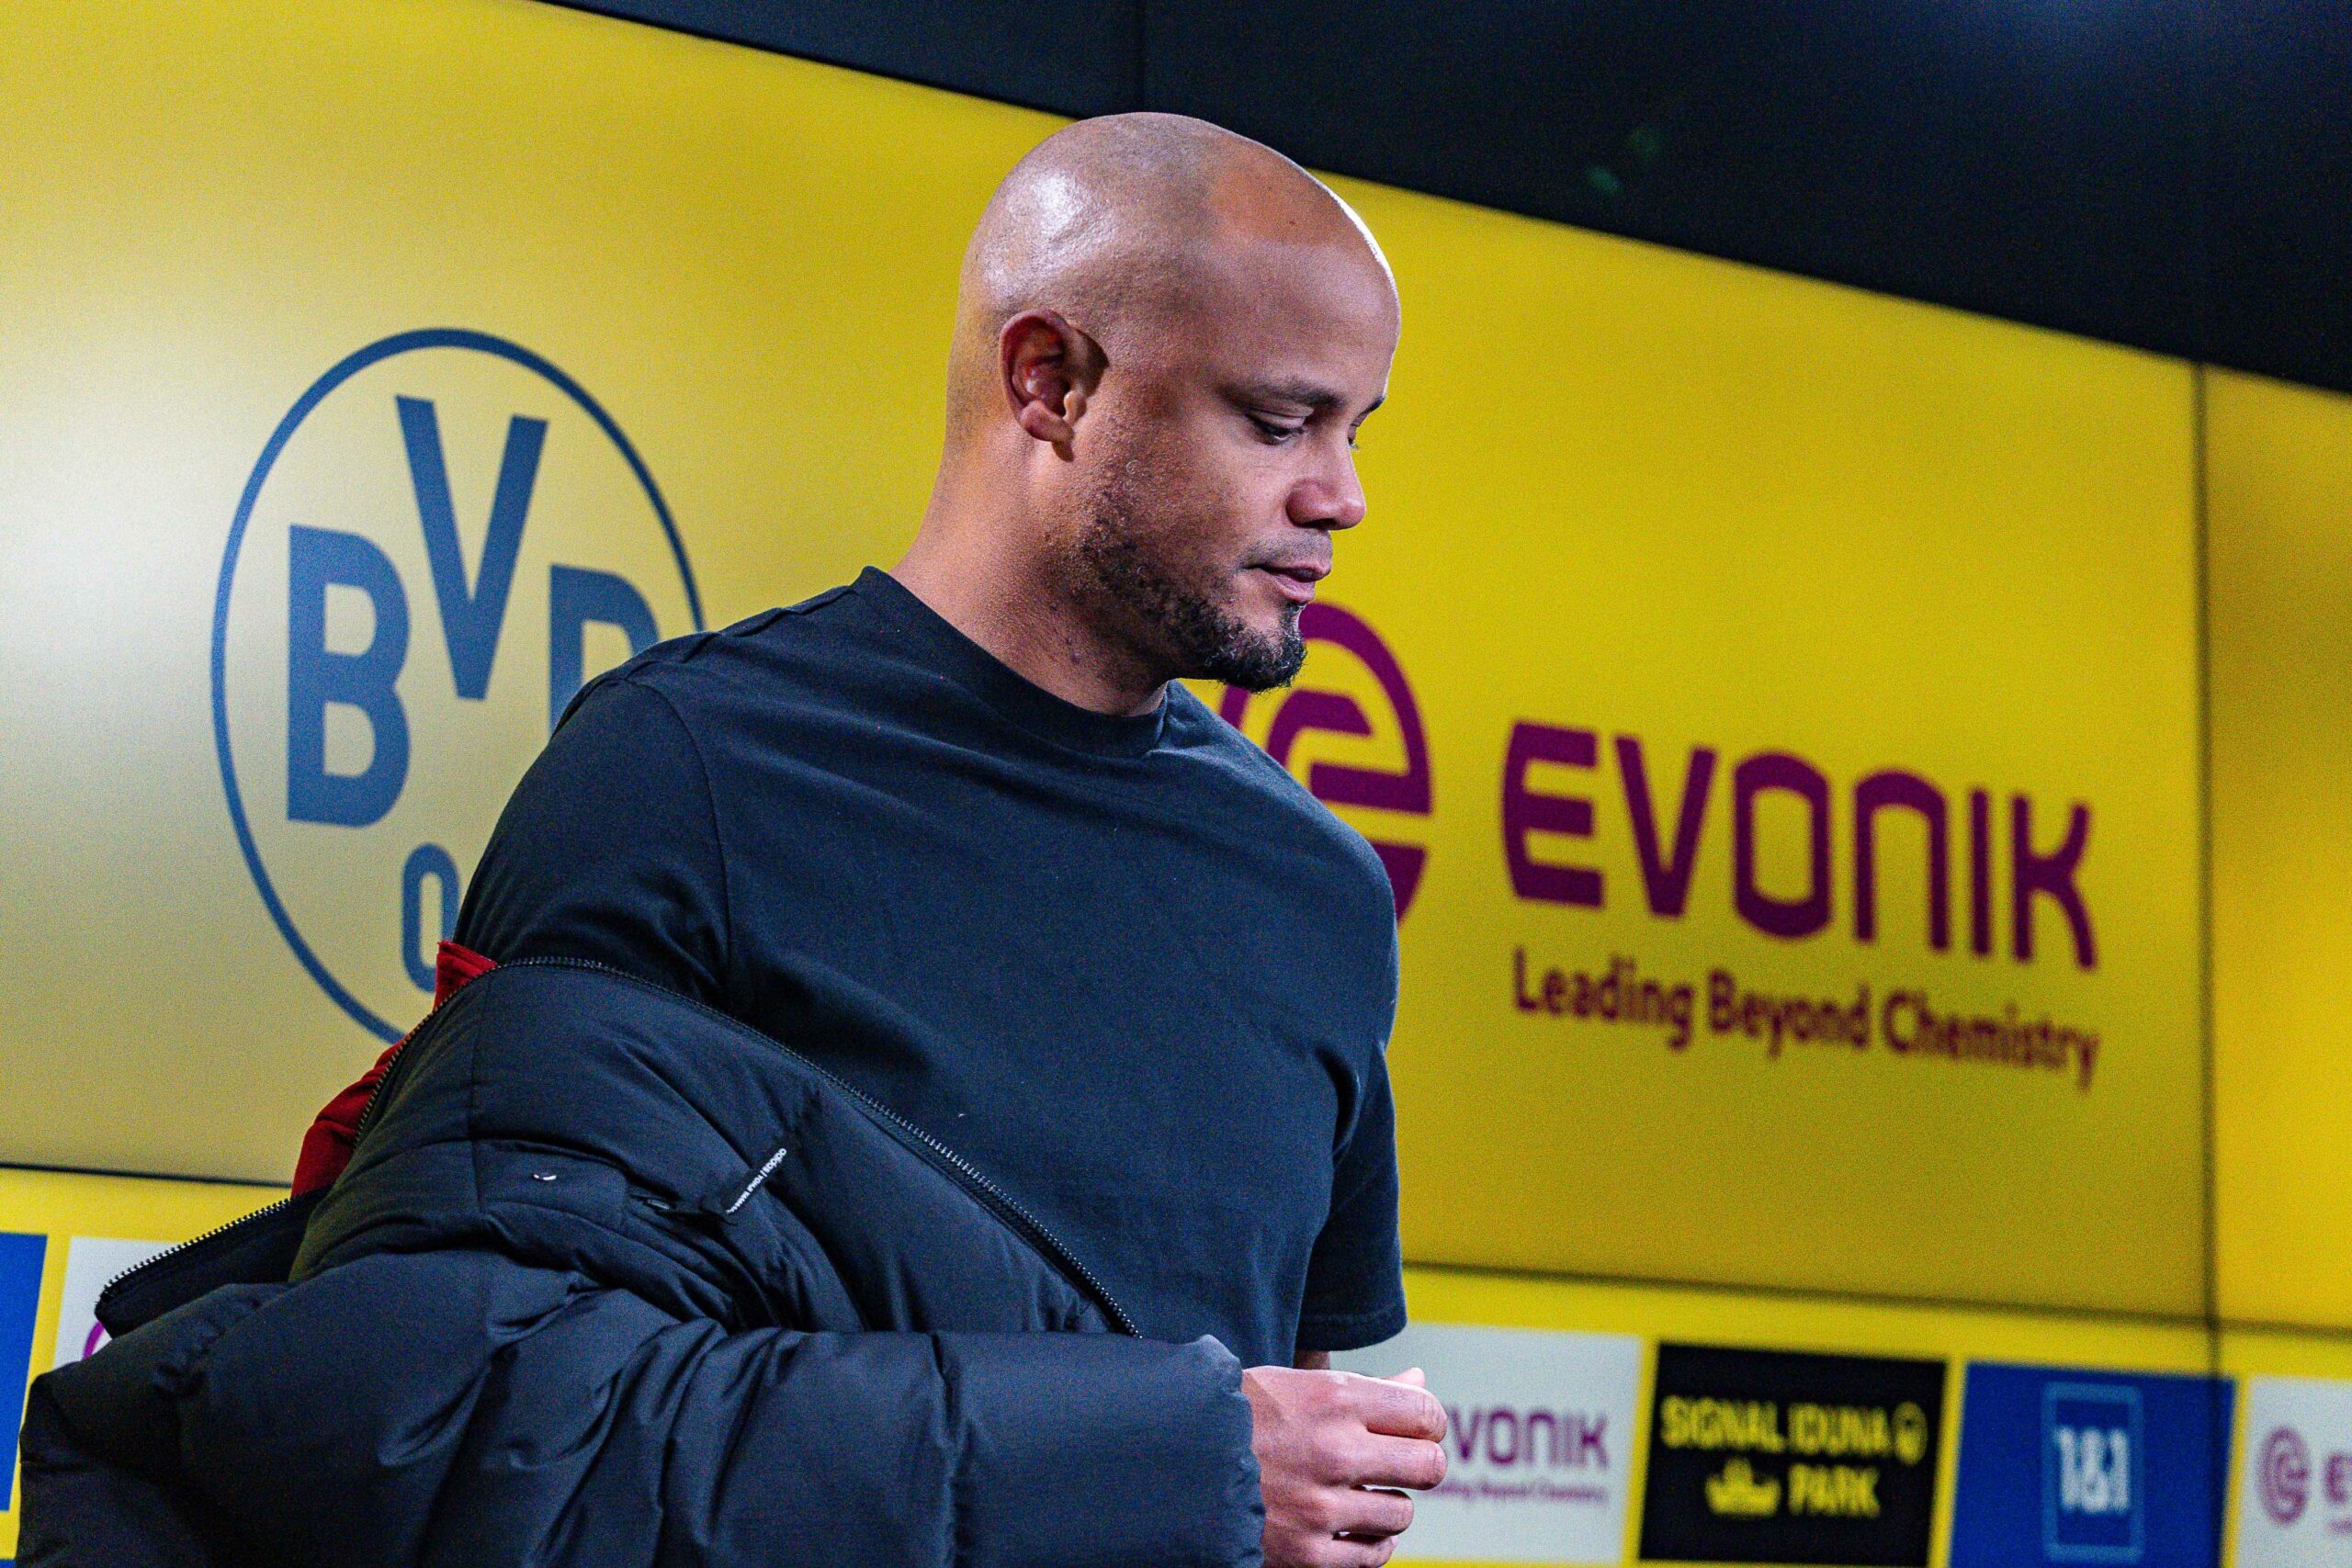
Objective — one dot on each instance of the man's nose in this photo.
(1331, 499)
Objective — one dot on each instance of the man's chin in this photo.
(1257, 661)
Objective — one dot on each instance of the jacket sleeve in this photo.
(982, 1451)
(477, 1412)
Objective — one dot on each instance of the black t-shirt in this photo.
(1125, 966)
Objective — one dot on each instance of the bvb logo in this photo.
(443, 536)
(1373, 675)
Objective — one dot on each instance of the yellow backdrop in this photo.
(1780, 706)
(1626, 500)
(2280, 466)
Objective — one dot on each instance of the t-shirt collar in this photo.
(1018, 700)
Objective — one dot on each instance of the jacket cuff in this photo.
(1089, 1451)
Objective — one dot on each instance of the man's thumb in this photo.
(1411, 1377)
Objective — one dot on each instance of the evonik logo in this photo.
(443, 536)
(1405, 789)
(1667, 821)
(2283, 1475)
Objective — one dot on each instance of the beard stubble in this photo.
(1124, 562)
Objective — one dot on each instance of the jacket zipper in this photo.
(169, 1253)
(935, 1153)
(366, 1115)
(951, 1164)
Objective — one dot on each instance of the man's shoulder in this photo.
(1267, 803)
(774, 658)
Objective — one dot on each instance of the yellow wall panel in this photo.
(1646, 529)
(1628, 506)
(747, 261)
(2279, 466)
(1647, 498)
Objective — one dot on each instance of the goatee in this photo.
(1203, 639)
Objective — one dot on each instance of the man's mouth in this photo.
(1295, 581)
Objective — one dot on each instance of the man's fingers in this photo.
(1409, 1462)
(1400, 1410)
(1343, 1552)
(1373, 1513)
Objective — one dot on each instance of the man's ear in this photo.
(1049, 370)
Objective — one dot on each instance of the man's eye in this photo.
(1273, 430)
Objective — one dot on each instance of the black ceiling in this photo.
(2172, 174)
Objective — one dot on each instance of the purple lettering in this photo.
(1498, 1423)
(1667, 860)
(2053, 874)
(1666, 879)
(1909, 792)
(1465, 1433)
(1505, 1435)
(1527, 811)
(1780, 916)
(1592, 1433)
(1980, 873)
(1549, 1453)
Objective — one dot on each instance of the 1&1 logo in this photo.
(2092, 1447)
(443, 537)
(2064, 1466)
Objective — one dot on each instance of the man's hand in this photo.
(1331, 1446)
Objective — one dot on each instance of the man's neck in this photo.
(1013, 607)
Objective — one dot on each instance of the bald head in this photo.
(1166, 341)
(1119, 225)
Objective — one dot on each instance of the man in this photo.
(953, 835)
(1153, 978)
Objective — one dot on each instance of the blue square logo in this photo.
(2065, 1467)
(2091, 1446)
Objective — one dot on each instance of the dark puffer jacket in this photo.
(615, 1280)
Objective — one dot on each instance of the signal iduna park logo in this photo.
(442, 539)
(1778, 1456)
